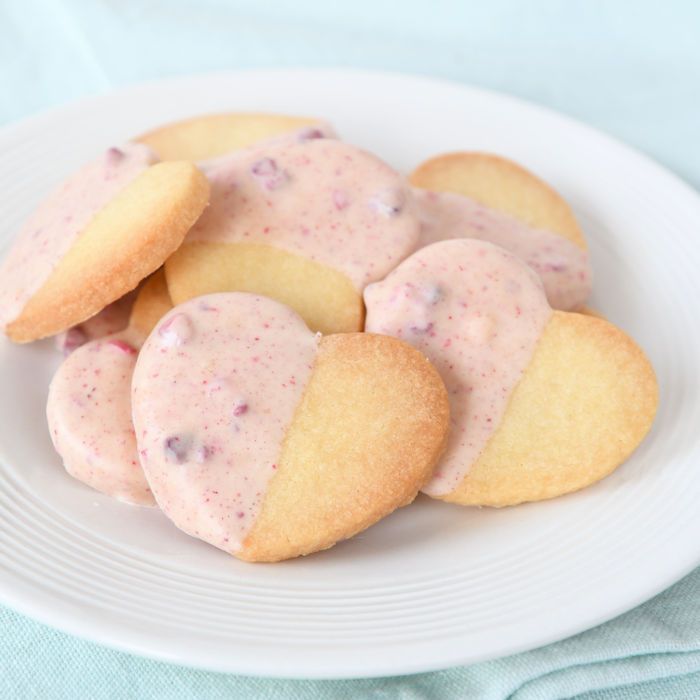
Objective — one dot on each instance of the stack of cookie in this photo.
(278, 339)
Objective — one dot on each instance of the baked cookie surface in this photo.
(585, 402)
(211, 135)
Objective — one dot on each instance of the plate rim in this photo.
(13, 597)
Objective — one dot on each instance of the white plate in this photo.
(433, 585)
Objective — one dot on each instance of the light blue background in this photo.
(629, 68)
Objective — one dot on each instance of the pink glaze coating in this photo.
(316, 197)
(56, 224)
(476, 311)
(89, 415)
(563, 267)
(112, 319)
(214, 391)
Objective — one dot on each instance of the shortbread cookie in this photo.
(476, 195)
(307, 223)
(95, 239)
(212, 135)
(542, 402)
(89, 404)
(152, 303)
(270, 442)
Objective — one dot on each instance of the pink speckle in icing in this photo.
(310, 133)
(388, 203)
(240, 408)
(176, 331)
(340, 199)
(202, 453)
(114, 155)
(122, 346)
(206, 306)
(176, 448)
(422, 327)
(268, 174)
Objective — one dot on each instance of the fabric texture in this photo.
(630, 68)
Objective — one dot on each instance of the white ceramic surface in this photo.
(433, 585)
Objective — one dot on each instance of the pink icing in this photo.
(563, 267)
(319, 198)
(476, 311)
(212, 408)
(113, 318)
(89, 415)
(54, 227)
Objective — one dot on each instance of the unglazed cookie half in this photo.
(103, 231)
(542, 402)
(211, 135)
(269, 441)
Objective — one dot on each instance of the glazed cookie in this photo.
(308, 223)
(477, 195)
(204, 137)
(542, 402)
(104, 230)
(269, 441)
(89, 404)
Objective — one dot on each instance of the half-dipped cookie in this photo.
(269, 441)
(95, 238)
(542, 402)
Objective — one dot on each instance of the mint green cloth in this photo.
(651, 652)
(630, 68)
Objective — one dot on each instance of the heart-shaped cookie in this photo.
(307, 222)
(542, 402)
(103, 231)
(89, 403)
(269, 441)
(483, 196)
(211, 135)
